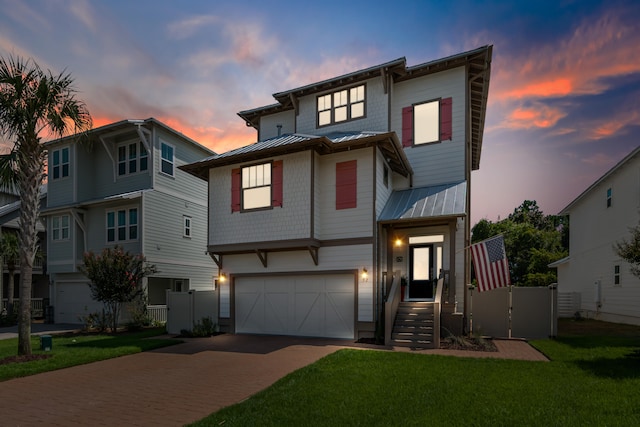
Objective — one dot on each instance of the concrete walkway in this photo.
(176, 385)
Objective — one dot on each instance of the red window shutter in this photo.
(346, 184)
(235, 190)
(276, 183)
(407, 126)
(446, 119)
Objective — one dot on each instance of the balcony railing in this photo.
(37, 306)
(157, 313)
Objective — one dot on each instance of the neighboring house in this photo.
(9, 218)
(352, 179)
(599, 280)
(123, 187)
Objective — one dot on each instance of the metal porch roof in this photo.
(426, 202)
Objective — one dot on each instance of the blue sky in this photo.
(564, 100)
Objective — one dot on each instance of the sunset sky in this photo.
(564, 99)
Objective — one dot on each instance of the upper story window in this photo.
(341, 106)
(609, 196)
(427, 122)
(616, 274)
(166, 162)
(122, 225)
(256, 186)
(60, 227)
(186, 223)
(60, 163)
(132, 158)
(385, 177)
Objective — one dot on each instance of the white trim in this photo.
(185, 227)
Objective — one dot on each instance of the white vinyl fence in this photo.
(184, 309)
(533, 316)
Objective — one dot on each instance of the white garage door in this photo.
(311, 306)
(73, 300)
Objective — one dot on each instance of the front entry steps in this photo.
(414, 326)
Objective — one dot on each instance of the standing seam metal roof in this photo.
(426, 202)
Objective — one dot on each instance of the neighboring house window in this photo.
(122, 225)
(60, 227)
(186, 221)
(60, 163)
(132, 157)
(616, 274)
(385, 178)
(167, 159)
(346, 184)
(177, 285)
(608, 197)
(427, 122)
(256, 186)
(341, 106)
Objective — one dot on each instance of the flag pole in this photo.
(470, 309)
(510, 307)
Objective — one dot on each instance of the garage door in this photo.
(73, 300)
(311, 306)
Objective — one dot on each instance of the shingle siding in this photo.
(441, 162)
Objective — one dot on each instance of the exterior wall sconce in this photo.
(365, 275)
(398, 242)
(222, 278)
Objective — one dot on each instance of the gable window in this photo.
(60, 163)
(427, 122)
(346, 185)
(122, 225)
(608, 197)
(341, 106)
(60, 227)
(256, 186)
(166, 161)
(616, 274)
(186, 222)
(132, 157)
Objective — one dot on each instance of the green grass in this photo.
(590, 381)
(77, 349)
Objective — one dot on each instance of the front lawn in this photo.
(77, 349)
(591, 380)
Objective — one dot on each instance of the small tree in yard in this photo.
(116, 278)
(629, 250)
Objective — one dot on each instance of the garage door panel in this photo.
(315, 305)
(275, 318)
(73, 300)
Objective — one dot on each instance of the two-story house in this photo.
(123, 186)
(593, 279)
(353, 182)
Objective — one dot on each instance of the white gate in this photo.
(184, 309)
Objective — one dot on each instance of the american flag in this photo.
(490, 263)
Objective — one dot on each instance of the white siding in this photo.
(335, 258)
(165, 246)
(346, 223)
(374, 120)
(442, 162)
(291, 221)
(594, 230)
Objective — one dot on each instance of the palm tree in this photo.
(34, 103)
(10, 251)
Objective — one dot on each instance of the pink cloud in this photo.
(607, 128)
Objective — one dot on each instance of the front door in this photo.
(421, 272)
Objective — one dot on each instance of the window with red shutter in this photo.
(427, 122)
(276, 183)
(235, 190)
(446, 119)
(347, 184)
(407, 126)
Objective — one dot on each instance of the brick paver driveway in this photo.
(179, 384)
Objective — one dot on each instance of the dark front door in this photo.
(421, 272)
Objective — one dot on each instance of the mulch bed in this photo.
(24, 358)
